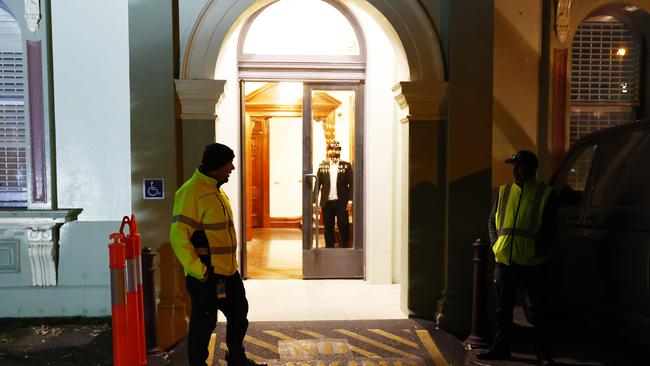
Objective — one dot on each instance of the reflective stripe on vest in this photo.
(199, 226)
(215, 250)
(518, 219)
(200, 206)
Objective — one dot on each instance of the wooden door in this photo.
(259, 171)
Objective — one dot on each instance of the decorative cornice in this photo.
(199, 97)
(41, 227)
(25, 218)
(562, 20)
(421, 100)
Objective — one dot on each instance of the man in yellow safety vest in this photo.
(522, 228)
(203, 238)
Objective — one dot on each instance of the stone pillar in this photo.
(198, 99)
(468, 160)
(449, 187)
(559, 76)
(424, 131)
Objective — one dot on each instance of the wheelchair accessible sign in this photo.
(153, 189)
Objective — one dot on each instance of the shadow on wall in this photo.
(515, 91)
(426, 252)
(517, 139)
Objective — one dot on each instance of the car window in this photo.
(622, 177)
(571, 181)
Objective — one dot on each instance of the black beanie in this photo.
(215, 156)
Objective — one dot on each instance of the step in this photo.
(355, 361)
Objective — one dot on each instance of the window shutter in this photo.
(604, 77)
(13, 131)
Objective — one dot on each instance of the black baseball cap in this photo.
(523, 157)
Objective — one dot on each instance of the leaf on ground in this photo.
(44, 330)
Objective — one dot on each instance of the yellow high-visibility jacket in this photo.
(202, 232)
(518, 220)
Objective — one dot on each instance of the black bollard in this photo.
(475, 339)
(149, 298)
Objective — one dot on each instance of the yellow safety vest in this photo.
(518, 219)
(200, 207)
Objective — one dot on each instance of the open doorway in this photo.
(272, 118)
(270, 52)
(290, 212)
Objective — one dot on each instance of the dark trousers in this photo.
(334, 210)
(533, 280)
(204, 316)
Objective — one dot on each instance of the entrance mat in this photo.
(403, 342)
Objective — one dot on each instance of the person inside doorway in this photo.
(335, 187)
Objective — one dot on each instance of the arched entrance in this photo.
(418, 88)
(319, 46)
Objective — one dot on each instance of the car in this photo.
(600, 264)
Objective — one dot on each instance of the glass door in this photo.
(332, 181)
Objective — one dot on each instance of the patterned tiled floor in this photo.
(378, 343)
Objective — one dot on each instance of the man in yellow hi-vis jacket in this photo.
(522, 229)
(203, 238)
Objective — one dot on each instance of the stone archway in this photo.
(217, 18)
(422, 100)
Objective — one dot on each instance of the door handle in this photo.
(314, 202)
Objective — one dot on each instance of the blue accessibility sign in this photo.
(153, 189)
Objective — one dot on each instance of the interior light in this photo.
(290, 90)
(621, 51)
(624, 87)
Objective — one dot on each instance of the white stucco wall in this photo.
(380, 107)
(228, 123)
(92, 107)
(187, 14)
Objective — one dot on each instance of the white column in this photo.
(198, 99)
(423, 253)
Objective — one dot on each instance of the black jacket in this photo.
(343, 183)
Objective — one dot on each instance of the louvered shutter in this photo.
(604, 82)
(13, 134)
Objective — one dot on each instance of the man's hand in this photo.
(205, 275)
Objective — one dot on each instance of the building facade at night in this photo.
(102, 101)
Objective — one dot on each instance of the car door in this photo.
(617, 225)
(572, 265)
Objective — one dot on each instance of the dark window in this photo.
(622, 177)
(571, 182)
